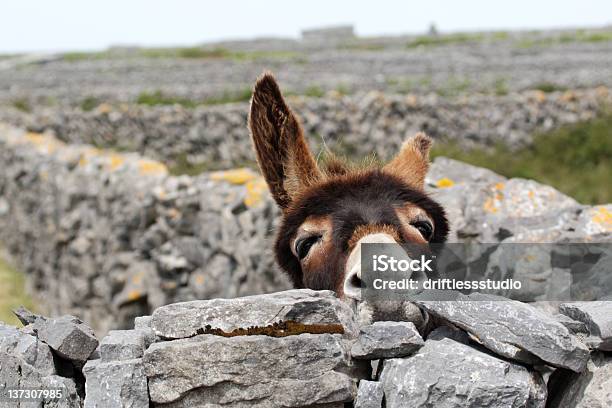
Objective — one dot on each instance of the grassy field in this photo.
(12, 293)
(574, 159)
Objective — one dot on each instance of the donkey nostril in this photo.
(356, 281)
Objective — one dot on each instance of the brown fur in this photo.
(339, 203)
(282, 152)
(412, 162)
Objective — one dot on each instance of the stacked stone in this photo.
(232, 353)
(489, 351)
(110, 236)
(305, 348)
(45, 354)
(360, 124)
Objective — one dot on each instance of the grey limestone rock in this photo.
(386, 340)
(511, 329)
(28, 348)
(450, 374)
(68, 336)
(590, 389)
(292, 371)
(596, 315)
(574, 326)
(15, 373)
(306, 306)
(369, 395)
(122, 345)
(115, 384)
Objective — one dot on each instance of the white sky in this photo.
(52, 25)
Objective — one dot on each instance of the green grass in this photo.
(362, 46)
(549, 87)
(229, 97)
(574, 159)
(159, 98)
(181, 165)
(22, 104)
(500, 87)
(314, 92)
(459, 38)
(89, 103)
(12, 293)
(84, 56)
(454, 86)
(579, 36)
(183, 52)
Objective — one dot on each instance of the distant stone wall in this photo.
(360, 124)
(108, 237)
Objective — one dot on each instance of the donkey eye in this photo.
(303, 245)
(425, 228)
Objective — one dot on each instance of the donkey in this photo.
(329, 210)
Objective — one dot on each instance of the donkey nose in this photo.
(352, 278)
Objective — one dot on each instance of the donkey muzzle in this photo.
(372, 311)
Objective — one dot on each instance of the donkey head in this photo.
(328, 211)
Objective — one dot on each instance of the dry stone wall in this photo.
(108, 236)
(358, 124)
(304, 348)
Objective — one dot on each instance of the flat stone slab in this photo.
(186, 319)
(292, 371)
(369, 395)
(449, 374)
(386, 340)
(122, 345)
(596, 315)
(115, 384)
(510, 328)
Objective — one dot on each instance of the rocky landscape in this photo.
(172, 278)
(302, 348)
(493, 62)
(108, 236)
(361, 95)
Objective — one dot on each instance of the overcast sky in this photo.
(52, 25)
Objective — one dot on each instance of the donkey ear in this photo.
(282, 152)
(412, 162)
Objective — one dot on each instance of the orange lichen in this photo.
(151, 167)
(603, 216)
(490, 205)
(235, 176)
(255, 190)
(134, 295)
(115, 161)
(445, 182)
